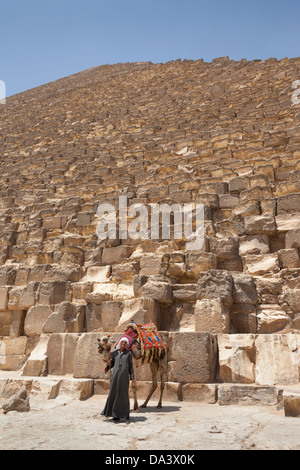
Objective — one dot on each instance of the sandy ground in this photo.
(78, 425)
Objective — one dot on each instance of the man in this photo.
(117, 403)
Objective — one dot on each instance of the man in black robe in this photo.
(117, 403)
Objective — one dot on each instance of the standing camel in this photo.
(158, 366)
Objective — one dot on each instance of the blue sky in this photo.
(42, 41)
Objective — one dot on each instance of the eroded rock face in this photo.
(223, 134)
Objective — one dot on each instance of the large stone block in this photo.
(88, 363)
(249, 395)
(37, 364)
(215, 284)
(271, 318)
(158, 288)
(24, 297)
(288, 203)
(12, 352)
(236, 358)
(55, 292)
(277, 359)
(35, 319)
(244, 290)
(196, 263)
(140, 311)
(61, 353)
(116, 254)
(192, 357)
(211, 316)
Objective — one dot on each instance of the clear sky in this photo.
(42, 41)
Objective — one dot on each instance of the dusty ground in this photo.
(78, 425)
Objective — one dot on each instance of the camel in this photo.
(158, 366)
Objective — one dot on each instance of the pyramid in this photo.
(223, 136)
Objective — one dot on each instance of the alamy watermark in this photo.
(152, 222)
(2, 92)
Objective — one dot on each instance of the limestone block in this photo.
(289, 258)
(229, 394)
(61, 353)
(4, 297)
(116, 254)
(88, 363)
(192, 357)
(22, 298)
(125, 271)
(36, 364)
(202, 393)
(12, 352)
(93, 316)
(291, 403)
(153, 264)
(268, 290)
(79, 290)
(211, 316)
(258, 265)
(286, 222)
(35, 319)
(97, 274)
(243, 290)
(292, 239)
(140, 311)
(157, 288)
(215, 284)
(67, 317)
(254, 245)
(184, 292)
(224, 248)
(54, 292)
(260, 224)
(292, 296)
(238, 184)
(111, 312)
(277, 359)
(236, 358)
(196, 263)
(271, 318)
(7, 275)
(228, 201)
(288, 203)
(18, 402)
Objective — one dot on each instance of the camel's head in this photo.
(105, 344)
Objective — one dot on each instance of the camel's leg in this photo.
(154, 369)
(162, 386)
(135, 406)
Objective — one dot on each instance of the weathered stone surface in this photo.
(211, 316)
(277, 359)
(246, 395)
(215, 284)
(37, 363)
(236, 358)
(291, 403)
(36, 318)
(158, 289)
(18, 402)
(271, 318)
(184, 346)
(61, 353)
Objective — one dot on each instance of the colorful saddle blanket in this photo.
(151, 342)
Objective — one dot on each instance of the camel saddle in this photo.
(152, 345)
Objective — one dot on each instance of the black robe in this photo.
(117, 403)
